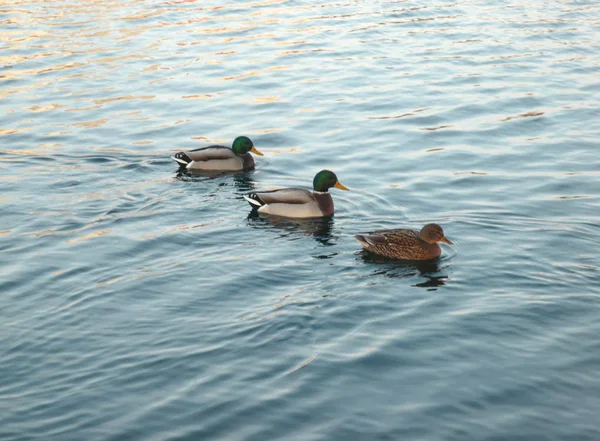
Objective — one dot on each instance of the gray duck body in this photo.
(294, 202)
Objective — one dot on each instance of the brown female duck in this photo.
(405, 244)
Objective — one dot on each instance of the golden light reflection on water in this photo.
(266, 99)
(123, 98)
(79, 44)
(524, 115)
(275, 130)
(91, 124)
(89, 236)
(13, 131)
(59, 133)
(446, 126)
(80, 31)
(198, 96)
(287, 150)
(44, 108)
(83, 109)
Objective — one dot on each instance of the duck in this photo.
(405, 244)
(298, 202)
(219, 157)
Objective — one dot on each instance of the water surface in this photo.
(139, 304)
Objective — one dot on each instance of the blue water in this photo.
(136, 304)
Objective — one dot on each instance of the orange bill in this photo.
(340, 186)
(443, 239)
(256, 152)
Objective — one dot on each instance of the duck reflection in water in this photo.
(318, 228)
(427, 269)
(241, 179)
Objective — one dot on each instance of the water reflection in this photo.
(320, 229)
(242, 179)
(429, 270)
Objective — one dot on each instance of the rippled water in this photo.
(137, 304)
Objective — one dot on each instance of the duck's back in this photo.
(211, 152)
(286, 196)
(218, 157)
(399, 243)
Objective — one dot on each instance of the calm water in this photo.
(137, 304)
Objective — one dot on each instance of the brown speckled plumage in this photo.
(405, 244)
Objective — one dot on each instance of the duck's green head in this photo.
(432, 233)
(242, 144)
(326, 179)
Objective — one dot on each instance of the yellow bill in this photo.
(340, 186)
(256, 152)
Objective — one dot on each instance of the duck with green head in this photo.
(219, 157)
(298, 202)
(405, 244)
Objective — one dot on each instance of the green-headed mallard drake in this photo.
(298, 202)
(219, 157)
(405, 244)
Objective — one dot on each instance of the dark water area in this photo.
(138, 303)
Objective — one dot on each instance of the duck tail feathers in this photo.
(181, 158)
(362, 240)
(370, 240)
(254, 200)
